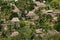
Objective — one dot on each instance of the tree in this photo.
(55, 4)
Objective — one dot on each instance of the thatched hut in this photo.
(15, 19)
(15, 33)
(4, 26)
(15, 22)
(56, 11)
(40, 4)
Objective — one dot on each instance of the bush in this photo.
(57, 27)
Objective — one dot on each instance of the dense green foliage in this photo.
(26, 26)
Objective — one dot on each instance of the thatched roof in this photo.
(16, 0)
(15, 33)
(55, 18)
(40, 4)
(38, 31)
(36, 17)
(56, 11)
(15, 11)
(31, 13)
(33, 0)
(15, 19)
(53, 32)
(51, 11)
(30, 23)
(4, 25)
(47, 11)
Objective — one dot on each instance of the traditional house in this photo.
(55, 18)
(36, 17)
(39, 31)
(32, 15)
(15, 22)
(50, 12)
(3, 20)
(4, 26)
(53, 32)
(33, 0)
(30, 23)
(15, 33)
(15, 19)
(47, 11)
(40, 4)
(56, 12)
(15, 10)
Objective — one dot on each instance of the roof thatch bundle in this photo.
(4, 25)
(15, 19)
(38, 31)
(15, 33)
(47, 11)
(36, 17)
(31, 13)
(40, 4)
(30, 23)
(15, 11)
(56, 12)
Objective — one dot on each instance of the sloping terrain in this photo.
(30, 20)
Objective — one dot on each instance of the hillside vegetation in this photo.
(30, 20)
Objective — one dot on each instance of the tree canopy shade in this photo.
(13, 15)
(57, 26)
(25, 4)
(55, 4)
